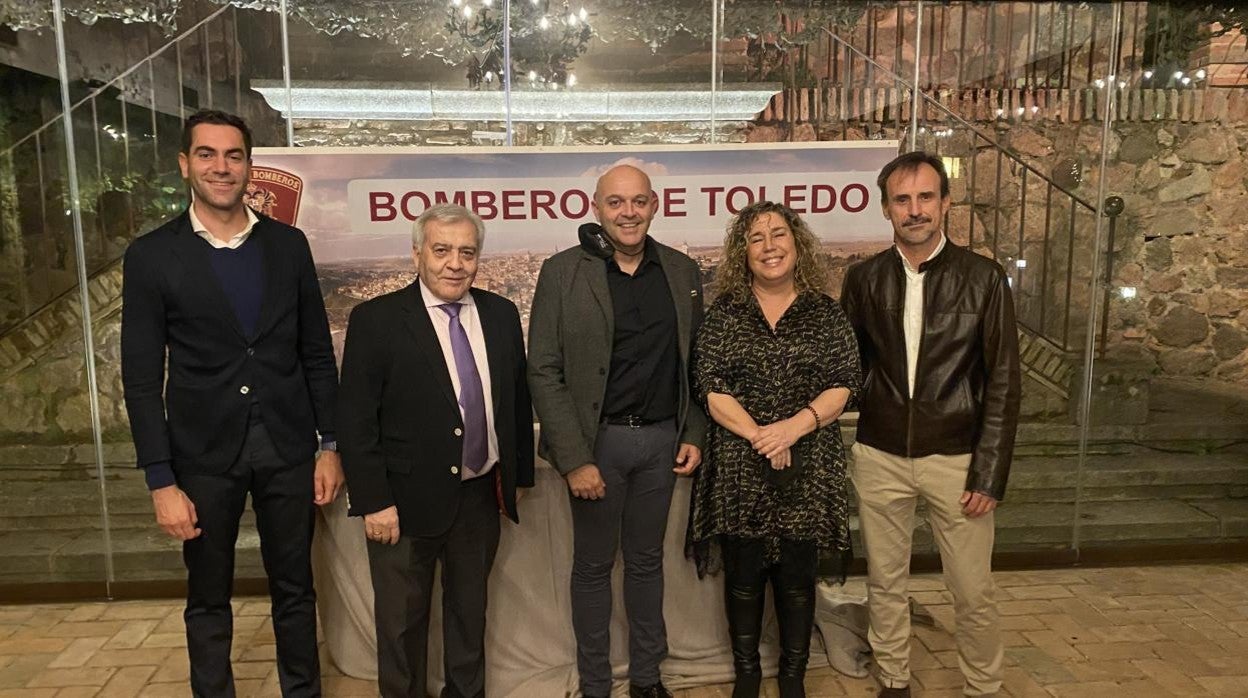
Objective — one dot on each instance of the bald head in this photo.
(625, 204)
(621, 175)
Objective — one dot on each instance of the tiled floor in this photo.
(1103, 633)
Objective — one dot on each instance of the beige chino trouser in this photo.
(889, 488)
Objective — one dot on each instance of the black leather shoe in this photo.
(655, 690)
(903, 692)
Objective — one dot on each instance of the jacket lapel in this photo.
(194, 255)
(495, 348)
(680, 297)
(421, 327)
(274, 269)
(595, 272)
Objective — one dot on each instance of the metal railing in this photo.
(1008, 45)
(1039, 258)
(128, 130)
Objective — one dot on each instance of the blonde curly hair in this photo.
(734, 278)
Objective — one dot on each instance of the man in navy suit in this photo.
(437, 433)
(230, 300)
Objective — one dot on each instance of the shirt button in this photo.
(251, 352)
(244, 390)
(459, 432)
(454, 469)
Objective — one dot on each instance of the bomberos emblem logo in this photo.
(274, 193)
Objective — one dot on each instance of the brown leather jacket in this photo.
(966, 393)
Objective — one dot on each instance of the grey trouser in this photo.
(636, 465)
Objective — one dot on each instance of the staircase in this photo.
(59, 321)
(1046, 363)
(51, 530)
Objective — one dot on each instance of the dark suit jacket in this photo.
(173, 302)
(400, 429)
(571, 333)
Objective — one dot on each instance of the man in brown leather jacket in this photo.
(937, 416)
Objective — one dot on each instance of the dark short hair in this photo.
(909, 163)
(219, 118)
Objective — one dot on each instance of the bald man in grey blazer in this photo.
(609, 343)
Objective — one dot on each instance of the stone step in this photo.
(1129, 469)
(74, 503)
(138, 554)
(49, 498)
(84, 521)
(1049, 526)
(1190, 493)
(147, 553)
(1154, 522)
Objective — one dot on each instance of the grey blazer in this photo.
(570, 337)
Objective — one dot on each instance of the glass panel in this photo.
(597, 73)
(1014, 93)
(1166, 459)
(128, 126)
(51, 528)
(836, 69)
(394, 73)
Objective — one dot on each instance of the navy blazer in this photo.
(400, 427)
(174, 308)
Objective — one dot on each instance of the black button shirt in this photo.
(645, 361)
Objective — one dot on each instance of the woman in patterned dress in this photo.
(775, 364)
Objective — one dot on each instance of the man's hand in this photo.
(586, 482)
(328, 478)
(781, 460)
(976, 504)
(776, 437)
(688, 458)
(383, 526)
(175, 512)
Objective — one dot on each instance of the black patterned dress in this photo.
(773, 374)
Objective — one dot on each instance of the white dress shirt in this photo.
(234, 242)
(471, 322)
(912, 323)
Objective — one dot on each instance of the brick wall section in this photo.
(891, 105)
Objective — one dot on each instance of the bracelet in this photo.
(818, 422)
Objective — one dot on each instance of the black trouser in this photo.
(745, 589)
(403, 589)
(281, 496)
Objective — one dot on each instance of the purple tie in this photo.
(471, 394)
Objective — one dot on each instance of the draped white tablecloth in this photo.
(530, 648)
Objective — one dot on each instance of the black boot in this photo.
(793, 581)
(745, 591)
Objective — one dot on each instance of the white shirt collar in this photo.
(432, 301)
(234, 242)
(906, 262)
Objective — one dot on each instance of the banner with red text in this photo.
(357, 205)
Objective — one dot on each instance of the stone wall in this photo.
(1185, 248)
(381, 132)
(1181, 242)
(47, 402)
(1178, 158)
